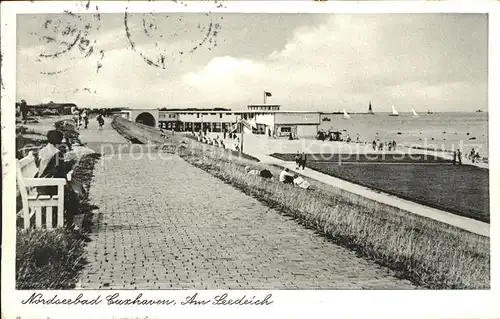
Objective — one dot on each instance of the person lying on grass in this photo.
(265, 173)
(300, 182)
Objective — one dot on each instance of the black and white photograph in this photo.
(204, 149)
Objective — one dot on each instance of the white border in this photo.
(386, 304)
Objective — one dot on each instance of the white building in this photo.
(258, 119)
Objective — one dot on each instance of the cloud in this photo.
(426, 61)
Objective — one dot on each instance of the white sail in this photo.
(415, 114)
(346, 116)
(394, 112)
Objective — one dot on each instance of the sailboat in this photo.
(370, 111)
(394, 112)
(346, 116)
(415, 114)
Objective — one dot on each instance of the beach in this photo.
(447, 131)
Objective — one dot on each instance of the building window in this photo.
(198, 115)
(286, 129)
(220, 115)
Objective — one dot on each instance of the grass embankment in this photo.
(48, 259)
(428, 253)
(52, 259)
(84, 173)
(461, 189)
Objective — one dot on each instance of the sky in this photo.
(322, 62)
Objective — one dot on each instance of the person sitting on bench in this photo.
(51, 164)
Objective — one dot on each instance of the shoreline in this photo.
(261, 145)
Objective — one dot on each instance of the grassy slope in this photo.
(463, 190)
(430, 254)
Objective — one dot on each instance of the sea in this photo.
(444, 131)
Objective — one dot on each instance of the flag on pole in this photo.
(268, 93)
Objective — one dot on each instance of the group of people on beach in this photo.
(390, 146)
(202, 137)
(473, 156)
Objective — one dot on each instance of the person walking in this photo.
(374, 145)
(85, 118)
(459, 156)
(303, 159)
(100, 120)
(297, 160)
(472, 155)
(454, 158)
(24, 111)
(76, 116)
(80, 118)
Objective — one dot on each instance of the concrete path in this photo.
(101, 139)
(165, 224)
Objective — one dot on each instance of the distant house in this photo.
(258, 118)
(49, 108)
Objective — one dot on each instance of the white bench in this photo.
(32, 202)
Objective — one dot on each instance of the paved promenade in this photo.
(165, 224)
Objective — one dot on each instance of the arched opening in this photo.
(146, 119)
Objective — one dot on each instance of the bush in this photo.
(48, 259)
